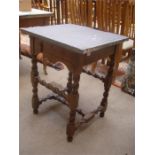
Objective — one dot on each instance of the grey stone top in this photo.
(77, 38)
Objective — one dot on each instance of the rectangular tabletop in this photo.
(77, 38)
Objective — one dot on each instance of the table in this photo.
(75, 46)
(35, 17)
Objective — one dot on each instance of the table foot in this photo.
(69, 139)
(102, 114)
(35, 111)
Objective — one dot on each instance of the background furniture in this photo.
(35, 17)
(75, 46)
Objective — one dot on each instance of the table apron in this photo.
(102, 53)
(73, 60)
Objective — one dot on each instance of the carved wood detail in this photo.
(34, 81)
(55, 89)
(61, 100)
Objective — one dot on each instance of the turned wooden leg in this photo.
(73, 103)
(107, 85)
(34, 80)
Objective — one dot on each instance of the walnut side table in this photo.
(75, 46)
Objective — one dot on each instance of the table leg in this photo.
(73, 103)
(34, 80)
(107, 85)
